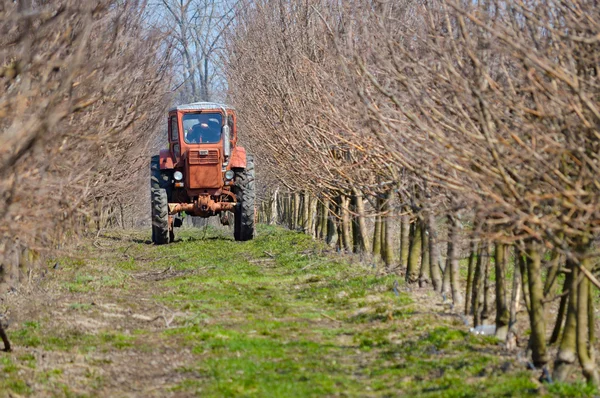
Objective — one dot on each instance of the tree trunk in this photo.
(377, 230)
(296, 213)
(273, 207)
(359, 228)
(346, 224)
(446, 291)
(434, 254)
(324, 220)
(313, 216)
(524, 280)
(470, 271)
(562, 309)
(332, 223)
(485, 314)
(290, 210)
(386, 229)
(565, 358)
(585, 328)
(404, 238)
(502, 314)
(536, 313)
(453, 261)
(425, 273)
(414, 256)
(477, 289)
(515, 298)
(306, 213)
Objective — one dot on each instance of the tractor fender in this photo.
(238, 158)
(166, 160)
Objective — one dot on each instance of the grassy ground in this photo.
(279, 316)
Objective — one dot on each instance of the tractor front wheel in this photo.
(160, 217)
(244, 213)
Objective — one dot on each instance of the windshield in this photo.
(202, 128)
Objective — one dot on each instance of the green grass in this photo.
(280, 316)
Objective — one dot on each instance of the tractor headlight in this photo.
(229, 174)
(178, 175)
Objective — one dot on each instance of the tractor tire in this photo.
(243, 228)
(160, 216)
(159, 178)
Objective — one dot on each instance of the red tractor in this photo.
(203, 173)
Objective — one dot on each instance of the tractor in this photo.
(204, 172)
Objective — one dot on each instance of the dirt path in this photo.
(207, 316)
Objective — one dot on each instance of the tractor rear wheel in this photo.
(160, 178)
(244, 212)
(160, 217)
(159, 198)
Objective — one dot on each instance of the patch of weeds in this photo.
(117, 340)
(48, 376)
(67, 262)
(515, 385)
(81, 284)
(28, 335)
(17, 386)
(80, 306)
(28, 359)
(7, 365)
(441, 337)
(574, 390)
(126, 265)
(9, 378)
(109, 281)
(95, 380)
(371, 338)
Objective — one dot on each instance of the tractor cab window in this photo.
(174, 129)
(202, 128)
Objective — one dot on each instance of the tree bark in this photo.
(425, 273)
(502, 313)
(476, 300)
(346, 224)
(324, 219)
(434, 253)
(453, 261)
(313, 216)
(485, 314)
(332, 224)
(470, 272)
(306, 213)
(565, 358)
(446, 289)
(386, 229)
(296, 213)
(377, 230)
(414, 256)
(536, 313)
(404, 238)
(585, 328)
(562, 309)
(359, 227)
(516, 291)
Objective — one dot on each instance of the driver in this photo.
(203, 132)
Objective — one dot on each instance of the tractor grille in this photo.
(210, 156)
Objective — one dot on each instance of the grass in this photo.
(280, 316)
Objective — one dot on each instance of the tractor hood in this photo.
(203, 168)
